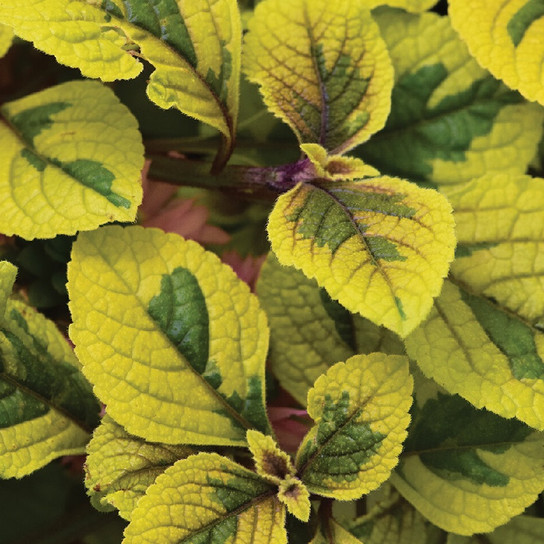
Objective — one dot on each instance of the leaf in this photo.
(46, 407)
(409, 5)
(333, 533)
(506, 39)
(467, 470)
(522, 530)
(120, 467)
(323, 68)
(194, 46)
(309, 331)
(208, 498)
(379, 246)
(70, 160)
(296, 498)
(6, 38)
(450, 120)
(499, 225)
(173, 342)
(474, 347)
(360, 409)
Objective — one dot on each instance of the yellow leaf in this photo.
(271, 463)
(296, 498)
(331, 532)
(6, 38)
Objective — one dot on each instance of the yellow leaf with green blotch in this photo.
(6, 38)
(195, 48)
(380, 246)
(473, 346)
(208, 498)
(521, 530)
(309, 331)
(70, 160)
(467, 470)
(323, 68)
(331, 532)
(120, 467)
(360, 409)
(450, 120)
(173, 342)
(506, 39)
(500, 230)
(47, 408)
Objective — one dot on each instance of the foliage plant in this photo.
(383, 382)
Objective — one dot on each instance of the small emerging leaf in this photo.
(296, 498)
(271, 463)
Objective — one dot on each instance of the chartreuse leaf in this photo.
(506, 38)
(500, 229)
(331, 532)
(120, 467)
(309, 331)
(450, 121)
(195, 48)
(414, 6)
(323, 68)
(522, 530)
(208, 498)
(467, 470)
(70, 160)
(360, 409)
(173, 342)
(379, 246)
(6, 37)
(480, 350)
(46, 407)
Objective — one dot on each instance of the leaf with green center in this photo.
(194, 46)
(506, 39)
(208, 498)
(71, 158)
(467, 470)
(360, 409)
(450, 120)
(379, 246)
(173, 342)
(521, 530)
(499, 222)
(323, 68)
(473, 346)
(120, 467)
(47, 408)
(309, 331)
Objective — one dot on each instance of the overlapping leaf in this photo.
(506, 38)
(194, 46)
(332, 532)
(322, 67)
(450, 121)
(120, 467)
(208, 498)
(46, 407)
(379, 246)
(522, 530)
(360, 409)
(309, 331)
(467, 470)
(70, 160)
(173, 342)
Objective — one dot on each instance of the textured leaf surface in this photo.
(522, 530)
(120, 467)
(381, 246)
(450, 121)
(506, 38)
(194, 46)
(208, 498)
(172, 340)
(360, 409)
(478, 349)
(70, 160)
(467, 470)
(6, 37)
(323, 68)
(296, 498)
(46, 407)
(309, 331)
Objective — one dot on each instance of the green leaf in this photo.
(450, 120)
(380, 246)
(194, 46)
(120, 467)
(46, 407)
(70, 160)
(323, 68)
(360, 409)
(173, 342)
(467, 470)
(208, 498)
(309, 331)
(522, 530)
